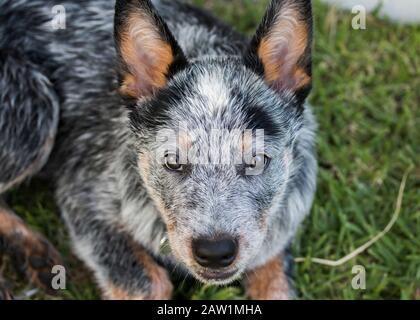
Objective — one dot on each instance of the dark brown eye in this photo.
(172, 162)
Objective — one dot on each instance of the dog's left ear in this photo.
(147, 50)
(281, 48)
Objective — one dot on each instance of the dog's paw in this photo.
(34, 257)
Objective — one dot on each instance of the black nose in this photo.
(215, 253)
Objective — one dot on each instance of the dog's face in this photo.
(215, 136)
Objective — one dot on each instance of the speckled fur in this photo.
(112, 207)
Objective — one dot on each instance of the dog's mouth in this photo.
(218, 277)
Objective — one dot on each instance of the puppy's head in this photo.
(215, 135)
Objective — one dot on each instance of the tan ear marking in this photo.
(281, 49)
(146, 55)
(128, 87)
(302, 79)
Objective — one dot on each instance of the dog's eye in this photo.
(172, 162)
(260, 162)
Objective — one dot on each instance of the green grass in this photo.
(366, 97)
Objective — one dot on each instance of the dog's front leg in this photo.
(268, 282)
(123, 268)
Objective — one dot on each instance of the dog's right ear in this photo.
(148, 52)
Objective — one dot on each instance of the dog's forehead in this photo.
(223, 94)
(214, 88)
(210, 90)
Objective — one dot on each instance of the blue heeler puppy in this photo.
(125, 130)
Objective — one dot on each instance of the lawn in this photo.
(366, 97)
